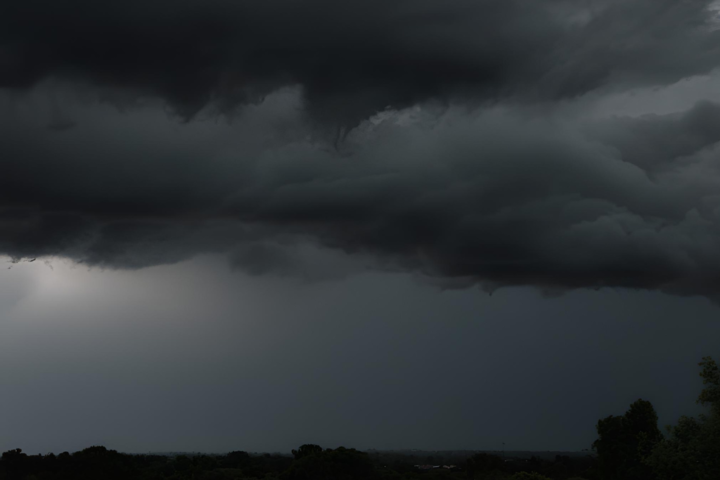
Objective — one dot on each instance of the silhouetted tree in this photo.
(623, 442)
(14, 463)
(307, 449)
(692, 449)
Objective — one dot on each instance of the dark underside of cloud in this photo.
(473, 175)
(355, 57)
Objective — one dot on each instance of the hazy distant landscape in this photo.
(628, 447)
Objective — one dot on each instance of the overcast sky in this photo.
(411, 224)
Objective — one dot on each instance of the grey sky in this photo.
(252, 225)
(197, 357)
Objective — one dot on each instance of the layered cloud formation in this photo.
(455, 139)
(356, 57)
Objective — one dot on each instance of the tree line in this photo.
(628, 447)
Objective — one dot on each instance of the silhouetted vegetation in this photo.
(691, 450)
(625, 440)
(309, 462)
(628, 447)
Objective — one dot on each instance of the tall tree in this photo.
(624, 441)
(692, 449)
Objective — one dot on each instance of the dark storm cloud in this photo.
(354, 58)
(501, 196)
(479, 173)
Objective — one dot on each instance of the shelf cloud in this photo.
(452, 139)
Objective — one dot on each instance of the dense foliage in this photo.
(631, 447)
(624, 441)
(691, 450)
